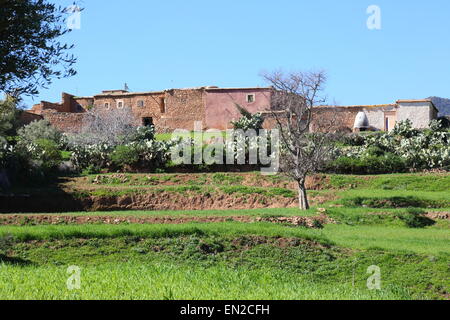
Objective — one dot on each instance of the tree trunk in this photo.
(302, 196)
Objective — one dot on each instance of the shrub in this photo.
(90, 170)
(415, 218)
(404, 129)
(95, 157)
(125, 155)
(143, 133)
(39, 130)
(401, 149)
(46, 152)
(347, 165)
(383, 164)
(34, 163)
(395, 202)
(6, 153)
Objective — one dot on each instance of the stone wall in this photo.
(183, 109)
(145, 105)
(168, 110)
(333, 119)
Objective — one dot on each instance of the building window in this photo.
(107, 105)
(140, 103)
(250, 98)
(119, 104)
(162, 105)
(147, 122)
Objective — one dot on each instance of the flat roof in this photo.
(116, 93)
(413, 100)
(249, 88)
(127, 93)
(418, 101)
(361, 106)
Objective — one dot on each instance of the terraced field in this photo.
(248, 242)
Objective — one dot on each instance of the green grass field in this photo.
(233, 260)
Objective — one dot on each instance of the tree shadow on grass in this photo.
(16, 261)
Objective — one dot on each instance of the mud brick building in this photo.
(215, 107)
(380, 117)
(167, 110)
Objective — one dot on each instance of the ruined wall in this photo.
(68, 104)
(45, 105)
(84, 102)
(63, 121)
(220, 108)
(28, 117)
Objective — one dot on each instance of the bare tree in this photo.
(294, 102)
(112, 126)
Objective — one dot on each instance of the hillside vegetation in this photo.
(254, 253)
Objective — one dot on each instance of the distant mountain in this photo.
(442, 104)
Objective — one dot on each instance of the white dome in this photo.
(361, 121)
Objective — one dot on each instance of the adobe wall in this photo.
(84, 102)
(344, 117)
(220, 108)
(331, 118)
(68, 104)
(64, 121)
(151, 105)
(45, 105)
(420, 114)
(183, 109)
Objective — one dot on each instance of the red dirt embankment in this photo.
(85, 194)
(150, 201)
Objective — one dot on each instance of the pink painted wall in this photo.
(220, 106)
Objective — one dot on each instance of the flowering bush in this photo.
(140, 152)
(145, 154)
(255, 121)
(248, 120)
(143, 133)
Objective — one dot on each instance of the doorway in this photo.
(390, 119)
(147, 122)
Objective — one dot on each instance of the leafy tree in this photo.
(31, 54)
(8, 116)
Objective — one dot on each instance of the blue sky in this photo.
(153, 45)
